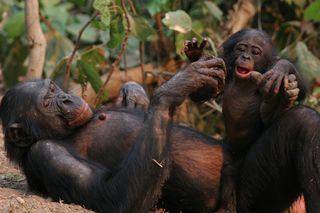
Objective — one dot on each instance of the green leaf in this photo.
(117, 31)
(307, 63)
(14, 26)
(158, 6)
(13, 65)
(312, 12)
(103, 7)
(141, 28)
(214, 10)
(178, 20)
(90, 34)
(89, 65)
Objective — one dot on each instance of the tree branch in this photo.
(36, 40)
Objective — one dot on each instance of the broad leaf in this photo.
(178, 20)
(307, 63)
(141, 28)
(14, 26)
(312, 12)
(214, 10)
(117, 31)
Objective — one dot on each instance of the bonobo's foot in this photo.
(132, 95)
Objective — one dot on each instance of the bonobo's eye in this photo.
(256, 51)
(241, 47)
(52, 87)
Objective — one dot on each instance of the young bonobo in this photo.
(113, 160)
(274, 142)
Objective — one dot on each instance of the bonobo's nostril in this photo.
(65, 98)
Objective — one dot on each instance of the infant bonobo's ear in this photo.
(18, 135)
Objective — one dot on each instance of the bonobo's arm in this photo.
(136, 185)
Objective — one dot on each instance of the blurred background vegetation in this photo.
(151, 34)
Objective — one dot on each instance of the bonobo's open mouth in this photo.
(82, 116)
(242, 72)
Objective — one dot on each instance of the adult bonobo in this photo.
(114, 160)
(274, 143)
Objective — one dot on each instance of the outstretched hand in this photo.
(193, 50)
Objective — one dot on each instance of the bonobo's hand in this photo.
(209, 72)
(132, 95)
(192, 50)
(293, 90)
(278, 76)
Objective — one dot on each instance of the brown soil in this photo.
(15, 197)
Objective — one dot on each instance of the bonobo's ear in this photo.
(18, 135)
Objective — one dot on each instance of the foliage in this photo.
(162, 26)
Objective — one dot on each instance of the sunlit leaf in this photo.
(141, 28)
(103, 7)
(312, 12)
(299, 3)
(178, 20)
(307, 63)
(117, 31)
(14, 26)
(214, 10)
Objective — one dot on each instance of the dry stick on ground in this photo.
(77, 45)
(36, 40)
(116, 62)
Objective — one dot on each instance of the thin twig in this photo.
(141, 52)
(116, 62)
(47, 23)
(77, 45)
(133, 9)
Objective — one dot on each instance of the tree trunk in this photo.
(36, 40)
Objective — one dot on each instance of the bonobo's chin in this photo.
(242, 72)
(83, 115)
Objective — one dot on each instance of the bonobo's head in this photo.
(37, 110)
(248, 50)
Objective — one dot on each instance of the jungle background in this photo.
(91, 47)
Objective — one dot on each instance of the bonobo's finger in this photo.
(270, 83)
(214, 62)
(188, 44)
(292, 77)
(194, 42)
(213, 72)
(285, 82)
(292, 85)
(266, 76)
(213, 83)
(293, 92)
(278, 82)
(203, 43)
(256, 77)
(130, 102)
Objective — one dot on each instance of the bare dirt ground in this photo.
(15, 197)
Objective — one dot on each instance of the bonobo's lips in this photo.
(242, 72)
(82, 116)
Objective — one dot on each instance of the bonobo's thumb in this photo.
(255, 77)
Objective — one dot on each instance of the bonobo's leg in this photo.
(283, 163)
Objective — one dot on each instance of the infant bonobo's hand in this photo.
(194, 51)
(203, 72)
(292, 91)
(132, 95)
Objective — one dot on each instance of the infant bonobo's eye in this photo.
(241, 48)
(256, 51)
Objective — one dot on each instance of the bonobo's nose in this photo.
(64, 98)
(245, 56)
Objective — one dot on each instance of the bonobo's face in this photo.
(251, 53)
(41, 110)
